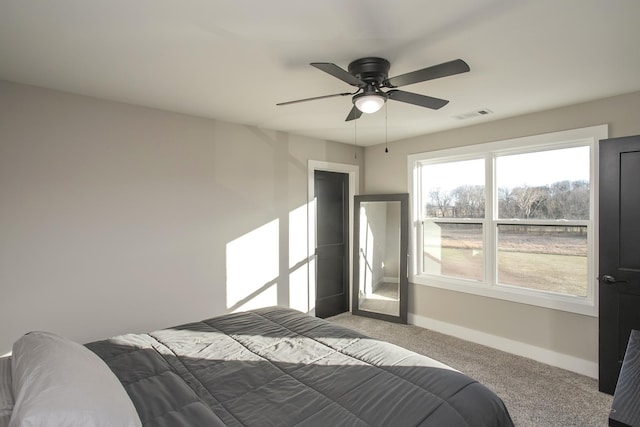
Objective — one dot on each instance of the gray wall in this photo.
(116, 218)
(537, 329)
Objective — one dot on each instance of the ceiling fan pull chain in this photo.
(386, 129)
(355, 138)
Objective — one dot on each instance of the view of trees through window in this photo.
(560, 200)
(540, 226)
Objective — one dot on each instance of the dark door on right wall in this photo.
(619, 255)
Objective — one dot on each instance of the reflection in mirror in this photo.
(379, 287)
(380, 256)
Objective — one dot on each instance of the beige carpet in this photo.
(537, 395)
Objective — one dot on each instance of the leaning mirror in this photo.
(380, 256)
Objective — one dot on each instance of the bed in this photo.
(265, 367)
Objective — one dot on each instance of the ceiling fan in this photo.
(370, 75)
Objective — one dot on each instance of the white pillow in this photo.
(60, 382)
(6, 393)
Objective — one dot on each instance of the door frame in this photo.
(354, 188)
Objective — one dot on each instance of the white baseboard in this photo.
(543, 355)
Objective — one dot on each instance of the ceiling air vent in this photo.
(472, 114)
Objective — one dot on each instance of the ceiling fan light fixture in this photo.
(369, 102)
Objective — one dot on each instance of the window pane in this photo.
(454, 189)
(551, 184)
(453, 250)
(546, 258)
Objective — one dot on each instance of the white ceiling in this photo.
(235, 59)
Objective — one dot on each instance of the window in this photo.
(453, 201)
(510, 219)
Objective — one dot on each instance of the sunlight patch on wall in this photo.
(252, 269)
(297, 236)
(311, 251)
(298, 266)
(298, 292)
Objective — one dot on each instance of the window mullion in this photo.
(556, 222)
(453, 220)
(418, 261)
(489, 226)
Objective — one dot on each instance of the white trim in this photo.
(533, 297)
(354, 188)
(539, 354)
(563, 139)
(513, 146)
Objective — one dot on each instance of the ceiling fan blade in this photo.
(314, 98)
(416, 99)
(445, 69)
(354, 114)
(339, 73)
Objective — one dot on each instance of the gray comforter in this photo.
(278, 367)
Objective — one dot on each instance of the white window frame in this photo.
(489, 287)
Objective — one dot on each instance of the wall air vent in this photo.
(472, 114)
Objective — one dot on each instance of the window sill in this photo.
(572, 304)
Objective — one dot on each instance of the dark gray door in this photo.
(332, 260)
(619, 253)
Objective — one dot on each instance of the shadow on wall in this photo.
(253, 260)
(270, 264)
(274, 263)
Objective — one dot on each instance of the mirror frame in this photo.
(403, 198)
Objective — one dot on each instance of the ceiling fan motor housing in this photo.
(372, 71)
